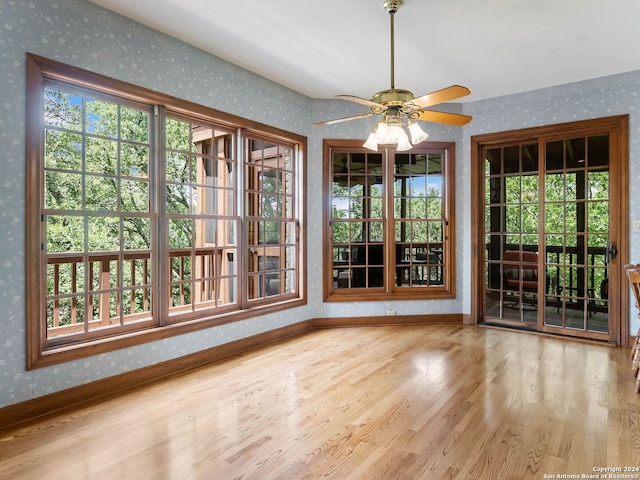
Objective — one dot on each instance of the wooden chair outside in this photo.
(520, 277)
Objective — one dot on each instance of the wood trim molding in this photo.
(37, 408)
(385, 320)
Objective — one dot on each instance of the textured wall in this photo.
(84, 35)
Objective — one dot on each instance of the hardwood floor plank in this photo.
(387, 403)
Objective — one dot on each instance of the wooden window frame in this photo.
(39, 352)
(389, 290)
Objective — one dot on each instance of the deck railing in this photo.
(107, 289)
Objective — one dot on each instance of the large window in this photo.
(271, 216)
(135, 217)
(388, 222)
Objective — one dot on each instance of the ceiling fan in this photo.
(401, 108)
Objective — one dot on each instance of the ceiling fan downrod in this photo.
(392, 97)
(392, 6)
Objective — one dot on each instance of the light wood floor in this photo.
(415, 402)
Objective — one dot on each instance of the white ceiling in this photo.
(325, 47)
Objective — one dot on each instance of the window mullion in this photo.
(389, 220)
(160, 245)
(243, 244)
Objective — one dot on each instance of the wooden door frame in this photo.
(618, 128)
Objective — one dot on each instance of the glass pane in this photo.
(494, 247)
(134, 160)
(576, 153)
(376, 208)
(554, 187)
(530, 189)
(598, 216)
(63, 150)
(63, 191)
(493, 162)
(513, 241)
(180, 232)
(436, 232)
(530, 218)
(598, 150)
(178, 135)
(64, 234)
(571, 219)
(101, 193)
(103, 234)
(417, 187)
(511, 159)
(554, 217)
(340, 232)
(101, 118)
(357, 232)
(554, 155)
(434, 208)
(356, 210)
(101, 156)
(340, 207)
(572, 192)
(512, 190)
(419, 231)
(134, 125)
(572, 241)
(598, 242)
(530, 158)
(136, 234)
(513, 219)
(376, 232)
(434, 186)
(179, 198)
(134, 196)
(62, 109)
(598, 185)
(420, 166)
(177, 167)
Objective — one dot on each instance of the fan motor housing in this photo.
(392, 97)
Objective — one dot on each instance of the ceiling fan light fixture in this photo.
(402, 140)
(398, 136)
(418, 135)
(382, 133)
(372, 142)
(391, 132)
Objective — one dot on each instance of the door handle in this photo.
(612, 252)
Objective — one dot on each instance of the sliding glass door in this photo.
(552, 223)
(512, 185)
(576, 234)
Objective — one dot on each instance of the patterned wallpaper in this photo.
(84, 35)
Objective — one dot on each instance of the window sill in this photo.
(66, 353)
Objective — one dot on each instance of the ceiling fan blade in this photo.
(338, 120)
(361, 101)
(443, 117)
(440, 96)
